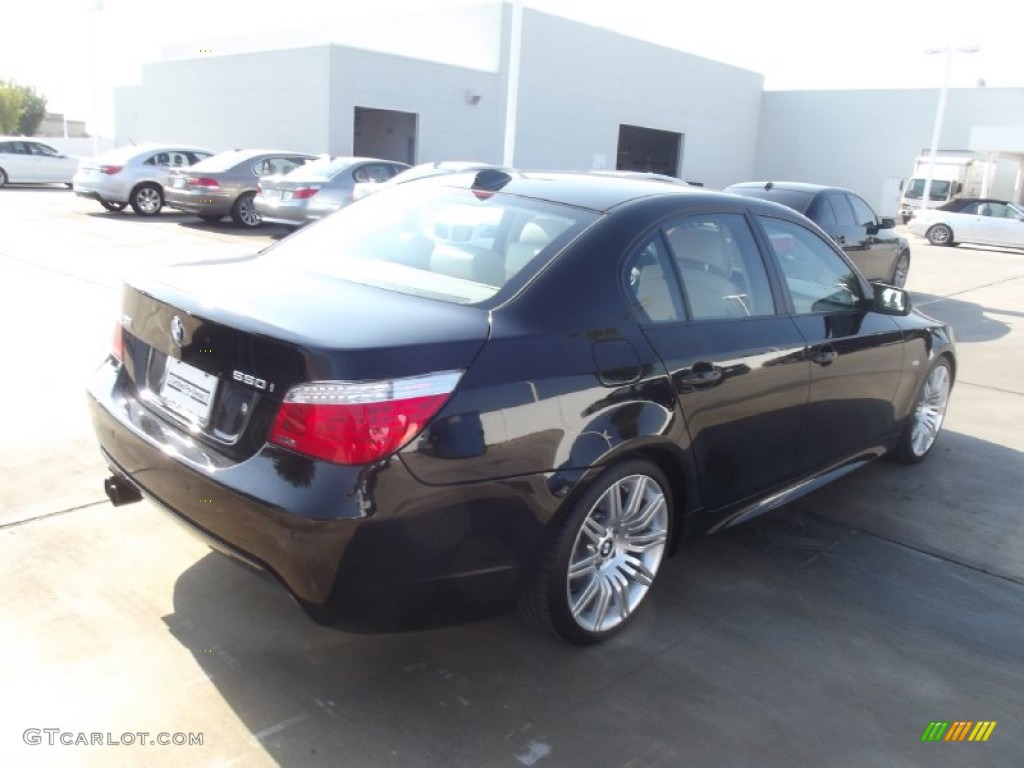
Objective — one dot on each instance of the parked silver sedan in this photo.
(135, 175)
(316, 189)
(971, 220)
(226, 184)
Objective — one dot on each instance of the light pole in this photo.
(515, 50)
(940, 113)
(94, 7)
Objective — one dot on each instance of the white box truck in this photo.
(955, 175)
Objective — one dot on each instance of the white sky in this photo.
(795, 44)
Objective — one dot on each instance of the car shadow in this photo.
(806, 613)
(970, 321)
(228, 227)
(128, 215)
(37, 187)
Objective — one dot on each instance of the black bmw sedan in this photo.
(868, 240)
(492, 388)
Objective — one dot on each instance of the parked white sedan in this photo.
(26, 161)
(986, 222)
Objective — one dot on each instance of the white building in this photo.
(433, 86)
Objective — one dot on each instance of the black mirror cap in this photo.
(887, 223)
(889, 300)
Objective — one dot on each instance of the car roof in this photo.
(577, 189)
(789, 186)
(962, 201)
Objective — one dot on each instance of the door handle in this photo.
(824, 354)
(700, 373)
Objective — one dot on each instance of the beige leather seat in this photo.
(706, 267)
(534, 236)
(468, 262)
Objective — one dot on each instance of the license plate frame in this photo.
(188, 391)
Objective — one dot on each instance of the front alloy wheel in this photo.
(924, 424)
(940, 234)
(605, 557)
(901, 270)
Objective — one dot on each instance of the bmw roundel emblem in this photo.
(177, 330)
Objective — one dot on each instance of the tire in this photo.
(939, 234)
(901, 270)
(597, 568)
(147, 199)
(244, 213)
(113, 206)
(210, 219)
(3, 178)
(925, 421)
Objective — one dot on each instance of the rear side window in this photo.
(821, 212)
(843, 211)
(819, 280)
(652, 285)
(721, 267)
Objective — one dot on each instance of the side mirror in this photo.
(887, 223)
(889, 300)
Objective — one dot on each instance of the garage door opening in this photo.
(649, 150)
(385, 133)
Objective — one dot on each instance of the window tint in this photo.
(721, 268)
(7, 147)
(996, 210)
(274, 165)
(844, 214)
(821, 212)
(652, 285)
(42, 149)
(971, 209)
(862, 212)
(817, 278)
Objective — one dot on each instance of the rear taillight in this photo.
(117, 342)
(110, 170)
(359, 422)
(202, 181)
(303, 193)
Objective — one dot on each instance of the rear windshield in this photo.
(790, 198)
(225, 161)
(457, 245)
(319, 170)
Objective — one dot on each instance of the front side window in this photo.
(862, 211)
(720, 266)
(841, 206)
(819, 280)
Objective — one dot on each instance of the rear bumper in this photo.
(363, 547)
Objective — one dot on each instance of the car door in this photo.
(881, 246)
(17, 162)
(51, 166)
(856, 355)
(995, 223)
(708, 307)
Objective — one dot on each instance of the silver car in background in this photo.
(423, 171)
(135, 175)
(316, 189)
(225, 184)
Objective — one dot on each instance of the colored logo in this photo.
(958, 730)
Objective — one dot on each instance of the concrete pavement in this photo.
(829, 633)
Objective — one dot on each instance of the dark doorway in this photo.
(384, 133)
(650, 150)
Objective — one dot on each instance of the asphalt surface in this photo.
(829, 633)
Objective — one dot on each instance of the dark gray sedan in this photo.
(226, 183)
(316, 189)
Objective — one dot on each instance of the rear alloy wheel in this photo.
(113, 206)
(604, 558)
(244, 212)
(901, 270)
(924, 424)
(940, 234)
(147, 200)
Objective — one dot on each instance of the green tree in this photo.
(11, 99)
(33, 110)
